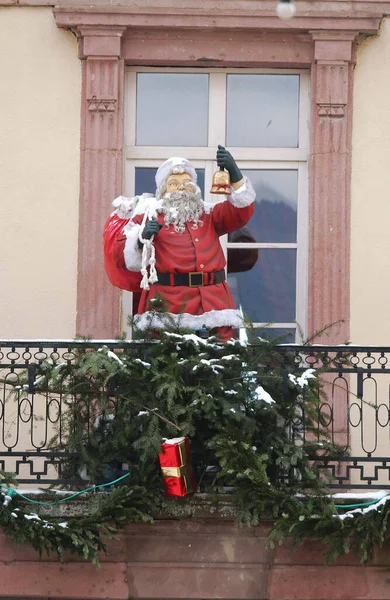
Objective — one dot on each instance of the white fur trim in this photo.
(126, 208)
(169, 166)
(150, 206)
(244, 196)
(131, 253)
(228, 317)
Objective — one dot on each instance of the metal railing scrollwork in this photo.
(355, 410)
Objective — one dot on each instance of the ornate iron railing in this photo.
(356, 410)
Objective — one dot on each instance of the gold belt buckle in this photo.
(195, 284)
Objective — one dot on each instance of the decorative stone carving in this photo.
(331, 110)
(101, 105)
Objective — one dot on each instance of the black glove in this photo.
(226, 160)
(151, 228)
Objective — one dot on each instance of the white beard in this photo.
(182, 207)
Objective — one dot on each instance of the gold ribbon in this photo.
(173, 471)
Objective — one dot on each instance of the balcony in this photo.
(353, 407)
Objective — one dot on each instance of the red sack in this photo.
(121, 278)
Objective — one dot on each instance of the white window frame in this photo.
(248, 158)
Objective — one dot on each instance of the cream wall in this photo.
(370, 243)
(40, 83)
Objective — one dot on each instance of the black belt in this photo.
(194, 279)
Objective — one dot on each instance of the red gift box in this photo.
(175, 461)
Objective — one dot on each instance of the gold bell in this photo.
(221, 182)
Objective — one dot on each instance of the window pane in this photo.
(267, 293)
(172, 109)
(275, 218)
(144, 180)
(262, 110)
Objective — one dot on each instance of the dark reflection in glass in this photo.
(275, 218)
(241, 259)
(267, 292)
(268, 109)
(172, 109)
(145, 182)
(285, 335)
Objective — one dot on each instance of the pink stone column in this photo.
(101, 175)
(329, 184)
(330, 203)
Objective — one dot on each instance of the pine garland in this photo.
(83, 536)
(243, 408)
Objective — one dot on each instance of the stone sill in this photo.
(199, 505)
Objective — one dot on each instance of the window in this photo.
(262, 118)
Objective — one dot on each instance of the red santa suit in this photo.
(196, 255)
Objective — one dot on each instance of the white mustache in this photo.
(182, 207)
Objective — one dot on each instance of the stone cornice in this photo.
(305, 8)
(363, 17)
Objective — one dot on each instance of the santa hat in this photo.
(174, 165)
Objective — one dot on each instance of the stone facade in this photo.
(197, 558)
(326, 38)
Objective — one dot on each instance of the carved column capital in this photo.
(334, 53)
(99, 41)
(334, 46)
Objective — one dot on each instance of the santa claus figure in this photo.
(168, 246)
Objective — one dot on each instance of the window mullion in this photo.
(217, 109)
(304, 112)
(129, 183)
(263, 245)
(208, 197)
(279, 325)
(161, 153)
(302, 250)
(131, 108)
(266, 155)
(126, 312)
